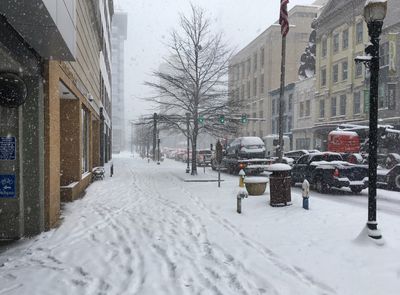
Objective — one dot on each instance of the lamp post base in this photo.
(187, 170)
(373, 231)
(370, 234)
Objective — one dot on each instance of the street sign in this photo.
(7, 148)
(7, 186)
(218, 149)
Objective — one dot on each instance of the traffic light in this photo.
(221, 119)
(200, 119)
(243, 119)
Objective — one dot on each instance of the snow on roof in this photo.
(374, 1)
(342, 132)
(279, 167)
(256, 179)
(252, 141)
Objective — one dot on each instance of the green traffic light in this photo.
(201, 120)
(222, 119)
(243, 119)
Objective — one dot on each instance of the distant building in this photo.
(118, 37)
(255, 70)
(342, 89)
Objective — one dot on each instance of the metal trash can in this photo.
(280, 185)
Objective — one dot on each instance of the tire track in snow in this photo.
(296, 272)
(221, 267)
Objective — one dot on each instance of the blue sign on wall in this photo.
(7, 148)
(7, 186)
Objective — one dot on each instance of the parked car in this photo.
(389, 178)
(295, 155)
(328, 170)
(246, 153)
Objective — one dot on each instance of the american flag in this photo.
(283, 18)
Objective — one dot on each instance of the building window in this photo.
(344, 70)
(323, 77)
(359, 32)
(333, 106)
(255, 62)
(289, 124)
(335, 73)
(248, 89)
(382, 97)
(290, 102)
(384, 54)
(322, 108)
(248, 67)
(273, 107)
(324, 47)
(255, 86)
(301, 112)
(273, 127)
(336, 43)
(345, 39)
(308, 108)
(242, 65)
(242, 91)
(359, 69)
(262, 85)
(357, 103)
(262, 57)
(343, 105)
(85, 140)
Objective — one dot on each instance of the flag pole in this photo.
(281, 98)
(284, 22)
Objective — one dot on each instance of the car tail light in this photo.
(336, 173)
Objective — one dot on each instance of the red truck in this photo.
(340, 141)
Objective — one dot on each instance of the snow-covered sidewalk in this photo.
(146, 231)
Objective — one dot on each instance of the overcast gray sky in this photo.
(151, 21)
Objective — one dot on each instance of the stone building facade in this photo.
(51, 142)
(119, 35)
(342, 89)
(255, 70)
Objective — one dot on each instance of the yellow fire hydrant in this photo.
(241, 178)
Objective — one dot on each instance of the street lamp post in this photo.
(374, 14)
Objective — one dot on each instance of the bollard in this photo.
(241, 178)
(111, 170)
(241, 195)
(306, 193)
(239, 204)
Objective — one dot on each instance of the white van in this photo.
(271, 142)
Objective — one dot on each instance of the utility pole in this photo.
(154, 135)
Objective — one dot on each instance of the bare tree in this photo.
(195, 81)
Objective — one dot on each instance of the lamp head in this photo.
(375, 10)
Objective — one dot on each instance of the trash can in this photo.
(280, 185)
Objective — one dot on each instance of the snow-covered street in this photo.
(146, 231)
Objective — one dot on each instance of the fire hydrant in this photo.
(241, 178)
(242, 192)
(306, 193)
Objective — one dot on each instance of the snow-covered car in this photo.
(328, 170)
(389, 178)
